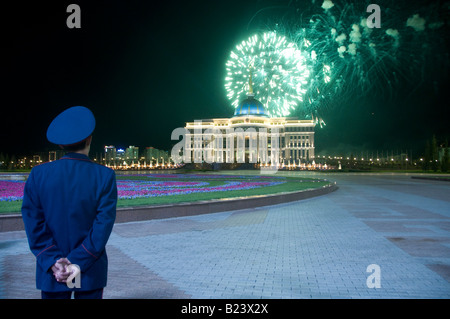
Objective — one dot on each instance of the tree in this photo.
(445, 164)
(427, 156)
(12, 163)
(434, 154)
(2, 161)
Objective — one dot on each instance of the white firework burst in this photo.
(278, 69)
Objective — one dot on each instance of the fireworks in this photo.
(340, 55)
(351, 58)
(278, 70)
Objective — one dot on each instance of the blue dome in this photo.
(251, 106)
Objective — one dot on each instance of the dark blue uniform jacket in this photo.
(69, 209)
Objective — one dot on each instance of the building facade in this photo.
(153, 155)
(133, 157)
(250, 136)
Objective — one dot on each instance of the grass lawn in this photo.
(208, 181)
(291, 185)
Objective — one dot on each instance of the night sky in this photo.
(145, 68)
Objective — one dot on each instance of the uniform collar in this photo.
(76, 156)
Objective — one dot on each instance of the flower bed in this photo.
(143, 189)
(154, 189)
(146, 185)
(11, 190)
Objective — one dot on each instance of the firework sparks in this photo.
(366, 60)
(345, 58)
(278, 69)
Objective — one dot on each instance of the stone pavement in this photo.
(315, 248)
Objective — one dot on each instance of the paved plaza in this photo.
(315, 248)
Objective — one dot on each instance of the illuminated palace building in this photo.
(251, 136)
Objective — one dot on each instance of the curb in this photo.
(14, 222)
(433, 178)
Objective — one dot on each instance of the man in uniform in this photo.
(69, 209)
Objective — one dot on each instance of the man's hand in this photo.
(61, 270)
(74, 270)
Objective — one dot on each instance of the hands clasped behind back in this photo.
(64, 271)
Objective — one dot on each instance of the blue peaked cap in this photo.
(71, 126)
